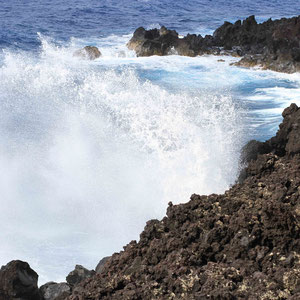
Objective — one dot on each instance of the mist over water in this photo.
(89, 151)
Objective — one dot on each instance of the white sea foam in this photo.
(91, 150)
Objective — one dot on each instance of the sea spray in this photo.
(92, 150)
(90, 153)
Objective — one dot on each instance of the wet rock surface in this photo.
(18, 281)
(244, 244)
(272, 45)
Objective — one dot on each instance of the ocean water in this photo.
(91, 150)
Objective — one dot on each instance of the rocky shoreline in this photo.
(273, 45)
(243, 244)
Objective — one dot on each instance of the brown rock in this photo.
(18, 281)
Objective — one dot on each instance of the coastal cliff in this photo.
(273, 45)
(243, 244)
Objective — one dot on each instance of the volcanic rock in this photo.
(55, 291)
(153, 41)
(18, 281)
(88, 52)
(272, 45)
(244, 244)
(78, 274)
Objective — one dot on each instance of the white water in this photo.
(89, 151)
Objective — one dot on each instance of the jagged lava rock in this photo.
(55, 291)
(18, 281)
(272, 45)
(88, 52)
(244, 244)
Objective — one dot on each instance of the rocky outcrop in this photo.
(153, 42)
(18, 281)
(244, 244)
(164, 42)
(272, 45)
(88, 52)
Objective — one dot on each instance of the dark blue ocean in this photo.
(21, 20)
(90, 150)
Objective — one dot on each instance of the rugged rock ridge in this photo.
(273, 45)
(244, 244)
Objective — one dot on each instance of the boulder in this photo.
(18, 281)
(55, 291)
(78, 274)
(88, 52)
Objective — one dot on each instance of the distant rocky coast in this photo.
(273, 45)
(244, 244)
